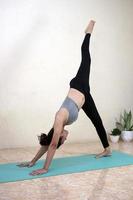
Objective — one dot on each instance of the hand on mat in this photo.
(26, 164)
(39, 172)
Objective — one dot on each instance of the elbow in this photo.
(53, 145)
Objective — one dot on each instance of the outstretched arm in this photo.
(42, 150)
(50, 154)
(53, 145)
(58, 128)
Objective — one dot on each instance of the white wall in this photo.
(40, 53)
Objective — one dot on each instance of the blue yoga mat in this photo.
(9, 172)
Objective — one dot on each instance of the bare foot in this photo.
(106, 152)
(90, 27)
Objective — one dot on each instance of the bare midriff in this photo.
(77, 96)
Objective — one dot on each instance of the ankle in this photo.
(107, 149)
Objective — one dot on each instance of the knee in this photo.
(53, 145)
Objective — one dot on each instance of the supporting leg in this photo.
(91, 111)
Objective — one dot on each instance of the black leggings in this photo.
(89, 106)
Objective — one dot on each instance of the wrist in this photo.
(33, 161)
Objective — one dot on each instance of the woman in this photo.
(78, 97)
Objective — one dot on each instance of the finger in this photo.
(20, 165)
(23, 165)
(30, 165)
(32, 173)
(36, 173)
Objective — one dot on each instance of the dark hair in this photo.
(43, 140)
(46, 139)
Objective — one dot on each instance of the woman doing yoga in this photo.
(78, 97)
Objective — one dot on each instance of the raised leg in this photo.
(84, 69)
